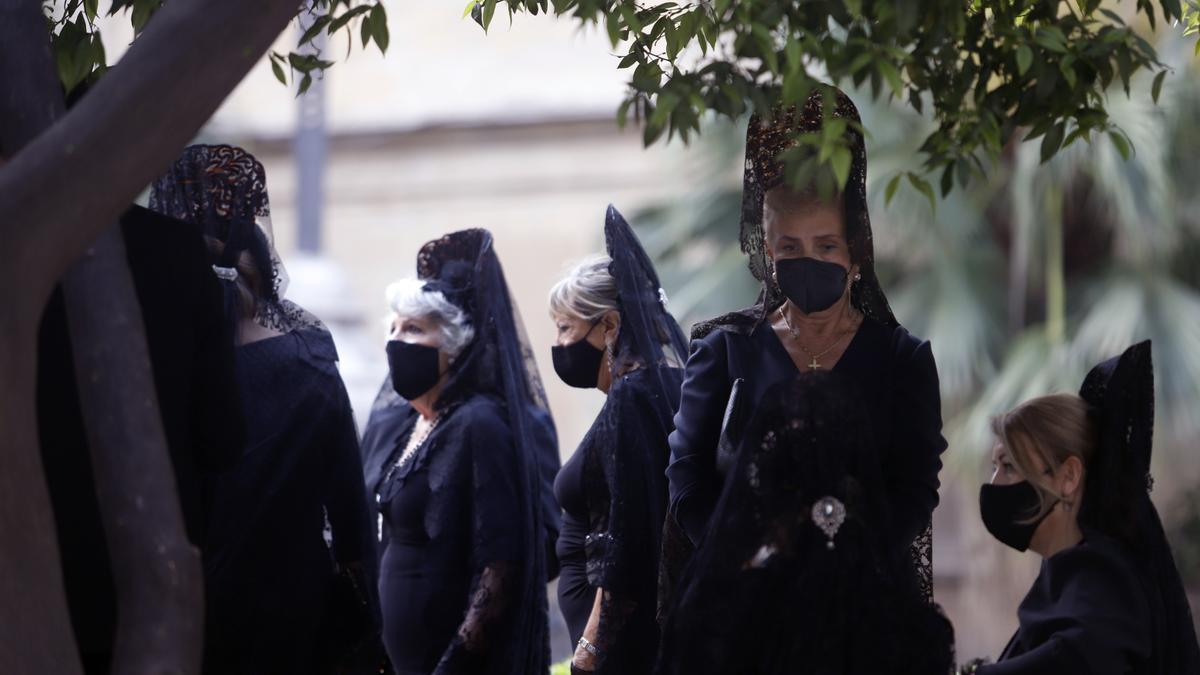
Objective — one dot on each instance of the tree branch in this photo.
(132, 124)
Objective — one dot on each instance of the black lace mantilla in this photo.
(224, 189)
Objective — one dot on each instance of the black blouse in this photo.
(453, 542)
(1087, 612)
(614, 494)
(894, 368)
(270, 568)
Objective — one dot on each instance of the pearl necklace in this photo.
(421, 433)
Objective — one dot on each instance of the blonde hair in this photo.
(588, 292)
(1052, 428)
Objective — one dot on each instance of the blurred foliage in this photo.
(79, 52)
(985, 71)
(1021, 281)
(1186, 536)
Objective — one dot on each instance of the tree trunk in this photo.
(57, 194)
(156, 571)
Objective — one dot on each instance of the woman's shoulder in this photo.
(483, 416)
(738, 322)
(1096, 555)
(641, 384)
(895, 339)
(1098, 567)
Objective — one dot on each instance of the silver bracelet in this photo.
(588, 646)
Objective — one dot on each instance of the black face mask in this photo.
(1005, 508)
(578, 364)
(414, 368)
(811, 285)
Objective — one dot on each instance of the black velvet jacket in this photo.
(894, 368)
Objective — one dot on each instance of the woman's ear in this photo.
(1070, 479)
(612, 326)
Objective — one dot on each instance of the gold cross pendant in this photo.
(813, 365)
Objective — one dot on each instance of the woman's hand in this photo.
(583, 661)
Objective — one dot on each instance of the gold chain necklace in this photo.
(814, 364)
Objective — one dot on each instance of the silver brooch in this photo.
(225, 273)
(828, 514)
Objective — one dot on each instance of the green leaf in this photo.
(647, 77)
(142, 11)
(652, 133)
(364, 31)
(90, 7)
(338, 23)
(1024, 59)
(841, 166)
(1052, 140)
(275, 68)
(623, 113)
(379, 27)
(1156, 89)
(861, 61)
(892, 75)
(314, 30)
(792, 50)
(630, 17)
(305, 83)
(924, 188)
(1122, 144)
(1067, 71)
(612, 23)
(471, 5)
(489, 10)
(891, 189)
(947, 182)
(1051, 38)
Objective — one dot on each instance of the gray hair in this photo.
(409, 298)
(588, 291)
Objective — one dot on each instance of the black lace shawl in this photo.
(507, 599)
(1117, 501)
(765, 593)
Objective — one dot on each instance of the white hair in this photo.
(408, 298)
(588, 292)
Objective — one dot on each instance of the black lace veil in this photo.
(223, 188)
(766, 141)
(649, 335)
(464, 267)
(1120, 392)
(769, 590)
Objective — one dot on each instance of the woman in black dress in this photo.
(290, 553)
(615, 334)
(1071, 484)
(463, 568)
(821, 308)
(794, 575)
